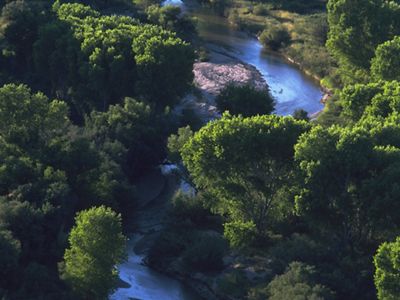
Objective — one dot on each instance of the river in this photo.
(147, 284)
(291, 89)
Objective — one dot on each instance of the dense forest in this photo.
(88, 98)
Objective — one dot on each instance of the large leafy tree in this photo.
(49, 168)
(131, 134)
(122, 58)
(350, 181)
(164, 64)
(387, 270)
(96, 246)
(356, 28)
(30, 119)
(92, 60)
(247, 164)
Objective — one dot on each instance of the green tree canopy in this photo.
(96, 246)
(298, 282)
(356, 28)
(387, 270)
(122, 58)
(176, 142)
(386, 63)
(10, 249)
(131, 134)
(245, 100)
(355, 98)
(350, 180)
(246, 163)
(385, 102)
(30, 119)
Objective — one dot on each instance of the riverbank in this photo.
(212, 76)
(139, 281)
(307, 28)
(319, 66)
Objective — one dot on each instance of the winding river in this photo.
(291, 89)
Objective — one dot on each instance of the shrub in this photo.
(296, 248)
(301, 114)
(170, 244)
(240, 234)
(298, 282)
(234, 284)
(206, 254)
(188, 207)
(387, 274)
(275, 37)
(244, 100)
(176, 142)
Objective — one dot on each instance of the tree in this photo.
(131, 134)
(350, 181)
(275, 38)
(356, 28)
(301, 114)
(298, 282)
(176, 142)
(164, 63)
(387, 270)
(20, 21)
(245, 100)
(121, 58)
(170, 17)
(385, 102)
(355, 98)
(386, 63)
(96, 246)
(30, 119)
(247, 164)
(10, 250)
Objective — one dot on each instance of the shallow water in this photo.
(147, 284)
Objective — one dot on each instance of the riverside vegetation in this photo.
(283, 207)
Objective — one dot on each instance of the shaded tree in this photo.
(350, 181)
(298, 282)
(387, 271)
(356, 28)
(245, 100)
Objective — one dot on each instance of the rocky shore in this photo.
(212, 76)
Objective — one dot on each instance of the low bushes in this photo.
(275, 37)
(244, 100)
(206, 253)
